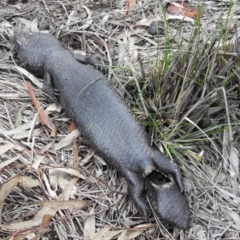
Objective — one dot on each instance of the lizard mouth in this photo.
(157, 178)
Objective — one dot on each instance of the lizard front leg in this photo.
(91, 61)
(48, 88)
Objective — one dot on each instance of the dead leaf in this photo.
(89, 226)
(47, 147)
(122, 51)
(46, 213)
(99, 41)
(61, 205)
(53, 178)
(62, 180)
(26, 134)
(54, 107)
(45, 120)
(28, 182)
(38, 159)
(66, 140)
(75, 154)
(19, 129)
(146, 22)
(133, 52)
(183, 8)
(30, 76)
(225, 144)
(132, 233)
(18, 121)
(70, 171)
(87, 21)
(46, 218)
(235, 217)
(105, 233)
(24, 21)
(8, 186)
(197, 156)
(34, 25)
(70, 190)
(6, 147)
(100, 160)
(9, 161)
(72, 127)
(129, 7)
(51, 192)
(234, 162)
(28, 235)
(102, 232)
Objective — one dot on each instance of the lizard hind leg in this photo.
(48, 88)
(164, 164)
(136, 191)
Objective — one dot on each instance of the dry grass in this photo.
(188, 103)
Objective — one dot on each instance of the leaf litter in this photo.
(188, 102)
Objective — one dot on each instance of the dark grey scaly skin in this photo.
(167, 201)
(98, 111)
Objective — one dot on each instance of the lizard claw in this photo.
(102, 68)
(52, 94)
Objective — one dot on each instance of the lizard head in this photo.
(22, 38)
(30, 50)
(167, 201)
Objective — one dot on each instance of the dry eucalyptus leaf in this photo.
(66, 140)
(136, 231)
(225, 148)
(24, 21)
(105, 233)
(183, 18)
(54, 107)
(200, 232)
(146, 22)
(133, 52)
(197, 156)
(88, 21)
(9, 161)
(235, 217)
(6, 147)
(122, 51)
(234, 162)
(129, 7)
(19, 129)
(28, 182)
(66, 170)
(68, 186)
(60, 205)
(47, 147)
(8, 186)
(29, 235)
(25, 134)
(53, 178)
(89, 226)
(34, 25)
(38, 159)
(30, 76)
(100, 160)
(49, 209)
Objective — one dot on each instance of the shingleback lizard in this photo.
(107, 123)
